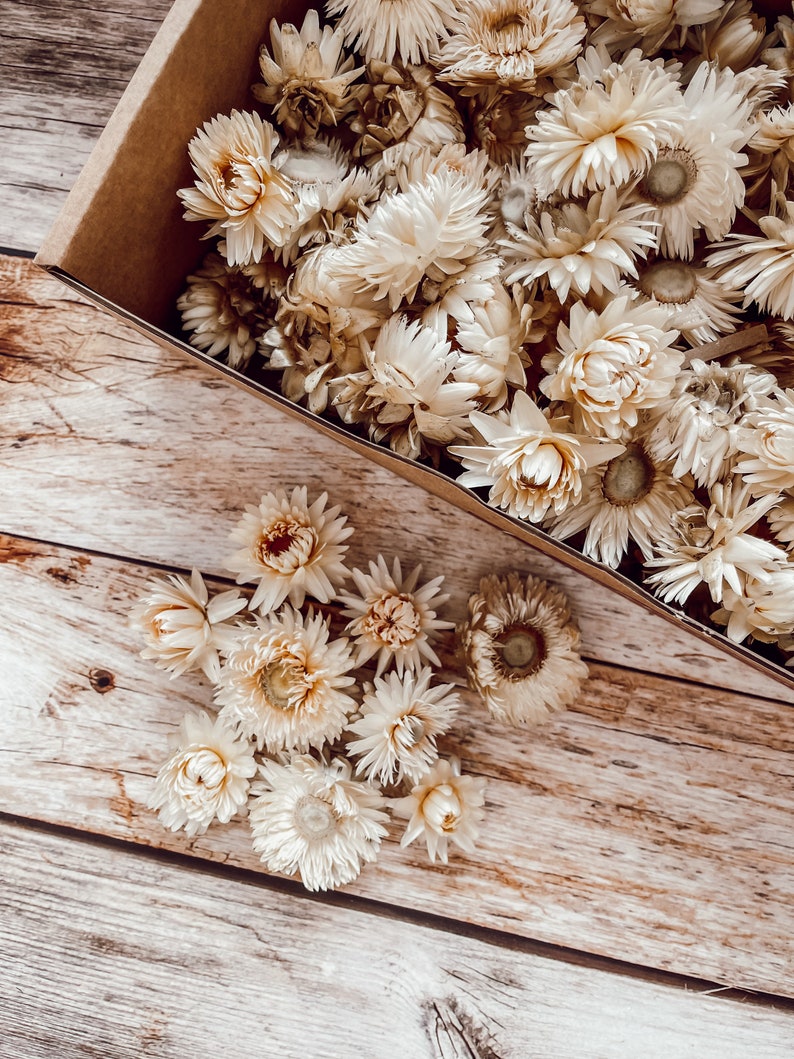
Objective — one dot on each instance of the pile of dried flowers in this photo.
(318, 737)
(532, 241)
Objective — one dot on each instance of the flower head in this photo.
(761, 265)
(385, 30)
(206, 777)
(401, 717)
(765, 608)
(392, 618)
(239, 186)
(766, 445)
(183, 628)
(313, 819)
(443, 808)
(282, 684)
(698, 303)
(530, 462)
(521, 648)
(290, 548)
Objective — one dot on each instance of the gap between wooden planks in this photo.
(111, 444)
(257, 967)
(651, 823)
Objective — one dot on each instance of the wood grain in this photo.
(134, 957)
(652, 823)
(110, 443)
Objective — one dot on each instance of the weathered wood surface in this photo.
(133, 957)
(652, 823)
(110, 443)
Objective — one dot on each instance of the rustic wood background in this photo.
(633, 893)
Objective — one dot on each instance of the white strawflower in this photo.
(633, 497)
(781, 519)
(401, 718)
(766, 445)
(513, 43)
(182, 627)
(407, 395)
(577, 249)
(605, 128)
(650, 23)
(307, 78)
(734, 38)
(384, 30)
(490, 339)
(239, 186)
(430, 231)
(444, 808)
(206, 778)
(701, 422)
(761, 265)
(313, 819)
(698, 302)
(611, 365)
(282, 684)
(712, 546)
(393, 617)
(694, 183)
(521, 648)
(290, 549)
(765, 608)
(531, 464)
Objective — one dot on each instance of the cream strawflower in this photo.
(700, 424)
(766, 445)
(444, 808)
(781, 519)
(182, 627)
(521, 648)
(735, 38)
(239, 186)
(530, 463)
(401, 717)
(406, 395)
(282, 683)
(391, 618)
(699, 303)
(313, 819)
(577, 249)
(611, 365)
(499, 119)
(765, 608)
(633, 497)
(513, 43)
(307, 78)
(385, 30)
(695, 184)
(206, 777)
(290, 548)
(761, 265)
(713, 546)
(771, 150)
(430, 231)
(650, 23)
(606, 127)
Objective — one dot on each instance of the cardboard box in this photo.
(120, 240)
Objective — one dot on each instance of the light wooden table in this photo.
(633, 893)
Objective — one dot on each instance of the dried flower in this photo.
(445, 807)
(530, 462)
(650, 23)
(385, 30)
(206, 778)
(282, 684)
(766, 445)
(290, 548)
(765, 608)
(761, 265)
(313, 819)
(401, 717)
(521, 648)
(499, 120)
(392, 618)
(699, 303)
(239, 185)
(183, 628)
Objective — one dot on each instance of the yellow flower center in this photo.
(670, 178)
(628, 477)
(521, 650)
(282, 683)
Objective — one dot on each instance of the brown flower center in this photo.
(285, 545)
(393, 619)
(669, 282)
(282, 682)
(628, 478)
(314, 819)
(521, 650)
(670, 178)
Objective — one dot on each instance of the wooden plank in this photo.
(652, 823)
(114, 955)
(110, 443)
